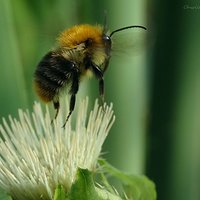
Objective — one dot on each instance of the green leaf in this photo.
(4, 195)
(83, 187)
(137, 187)
(59, 193)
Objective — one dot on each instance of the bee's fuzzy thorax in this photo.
(78, 34)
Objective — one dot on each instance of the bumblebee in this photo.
(82, 50)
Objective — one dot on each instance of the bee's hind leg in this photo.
(56, 105)
(73, 92)
(71, 108)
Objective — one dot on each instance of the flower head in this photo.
(36, 156)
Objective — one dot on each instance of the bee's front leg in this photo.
(99, 75)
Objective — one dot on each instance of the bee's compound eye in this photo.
(107, 40)
(88, 42)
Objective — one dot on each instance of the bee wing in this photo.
(129, 42)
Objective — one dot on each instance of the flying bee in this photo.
(82, 50)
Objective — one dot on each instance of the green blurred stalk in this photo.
(12, 83)
(125, 82)
(185, 161)
(174, 159)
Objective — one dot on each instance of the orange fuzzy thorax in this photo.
(76, 35)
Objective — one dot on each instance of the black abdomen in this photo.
(52, 74)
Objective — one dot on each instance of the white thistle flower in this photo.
(36, 156)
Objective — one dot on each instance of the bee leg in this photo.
(99, 75)
(56, 105)
(101, 90)
(73, 91)
(71, 108)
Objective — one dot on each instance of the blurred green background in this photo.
(156, 93)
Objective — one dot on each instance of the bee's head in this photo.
(92, 41)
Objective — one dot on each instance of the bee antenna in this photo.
(127, 27)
